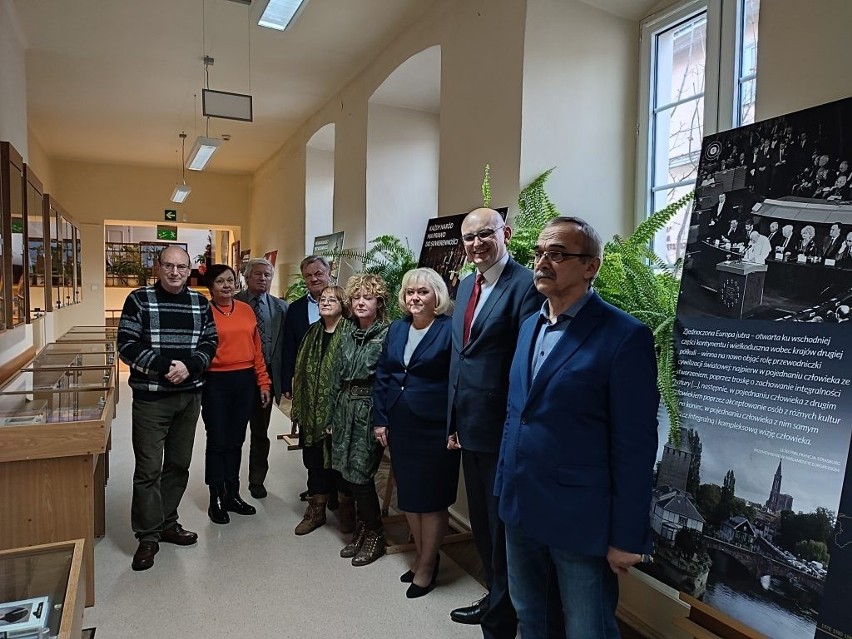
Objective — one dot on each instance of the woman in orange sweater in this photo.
(228, 393)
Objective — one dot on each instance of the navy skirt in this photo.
(427, 474)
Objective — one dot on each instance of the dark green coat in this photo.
(354, 450)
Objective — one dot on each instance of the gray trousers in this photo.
(163, 434)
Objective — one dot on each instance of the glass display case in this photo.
(84, 347)
(55, 429)
(40, 590)
(105, 337)
(87, 330)
(50, 396)
(71, 359)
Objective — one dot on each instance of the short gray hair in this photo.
(310, 259)
(434, 281)
(592, 242)
(257, 261)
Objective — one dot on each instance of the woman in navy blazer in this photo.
(409, 415)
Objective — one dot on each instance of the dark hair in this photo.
(215, 271)
(592, 243)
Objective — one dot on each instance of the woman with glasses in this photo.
(228, 393)
(354, 450)
(410, 416)
(311, 404)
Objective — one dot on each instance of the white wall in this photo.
(803, 55)
(579, 111)
(402, 172)
(13, 82)
(13, 129)
(319, 195)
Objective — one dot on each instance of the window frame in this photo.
(721, 83)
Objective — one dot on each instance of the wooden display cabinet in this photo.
(54, 432)
(54, 574)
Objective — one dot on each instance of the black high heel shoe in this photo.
(407, 577)
(414, 591)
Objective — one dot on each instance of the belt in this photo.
(358, 389)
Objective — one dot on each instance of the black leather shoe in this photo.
(144, 556)
(471, 614)
(408, 576)
(414, 591)
(177, 535)
(216, 511)
(257, 491)
(235, 504)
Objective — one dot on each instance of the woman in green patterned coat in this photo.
(315, 364)
(354, 449)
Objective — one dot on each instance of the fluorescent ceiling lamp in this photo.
(202, 151)
(278, 14)
(181, 192)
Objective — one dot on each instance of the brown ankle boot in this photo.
(314, 515)
(346, 513)
(373, 548)
(353, 547)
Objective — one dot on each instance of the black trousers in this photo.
(322, 481)
(367, 504)
(259, 439)
(226, 403)
(489, 535)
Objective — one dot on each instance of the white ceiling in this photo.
(114, 81)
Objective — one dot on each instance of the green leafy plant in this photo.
(535, 209)
(636, 280)
(486, 186)
(297, 289)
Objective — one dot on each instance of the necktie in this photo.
(471, 306)
(261, 323)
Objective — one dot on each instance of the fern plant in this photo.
(635, 279)
(535, 209)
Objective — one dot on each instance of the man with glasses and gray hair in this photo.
(167, 337)
(270, 313)
(490, 306)
(576, 464)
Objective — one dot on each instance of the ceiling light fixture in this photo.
(182, 190)
(201, 152)
(279, 14)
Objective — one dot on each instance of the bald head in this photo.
(485, 236)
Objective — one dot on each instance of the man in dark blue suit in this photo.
(576, 462)
(490, 307)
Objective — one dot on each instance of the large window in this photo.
(698, 77)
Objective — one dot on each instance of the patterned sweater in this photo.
(157, 327)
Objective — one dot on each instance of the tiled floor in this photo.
(254, 577)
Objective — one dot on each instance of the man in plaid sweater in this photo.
(168, 338)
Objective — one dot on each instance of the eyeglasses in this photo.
(556, 257)
(483, 235)
(230, 281)
(181, 268)
(328, 300)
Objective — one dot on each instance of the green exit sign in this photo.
(167, 233)
(171, 215)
